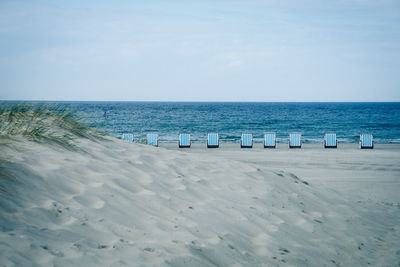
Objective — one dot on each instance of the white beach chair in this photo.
(152, 139)
(366, 141)
(184, 140)
(213, 140)
(330, 140)
(127, 137)
(295, 140)
(269, 140)
(246, 141)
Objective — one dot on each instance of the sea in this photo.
(231, 119)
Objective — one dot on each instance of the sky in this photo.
(200, 50)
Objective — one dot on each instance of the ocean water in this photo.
(230, 120)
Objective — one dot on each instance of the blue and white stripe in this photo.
(246, 140)
(213, 140)
(366, 141)
(127, 137)
(152, 139)
(295, 140)
(269, 140)
(184, 140)
(330, 140)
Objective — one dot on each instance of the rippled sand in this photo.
(112, 203)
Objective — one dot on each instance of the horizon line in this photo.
(190, 101)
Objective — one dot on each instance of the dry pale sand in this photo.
(113, 203)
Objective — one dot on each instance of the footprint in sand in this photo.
(95, 184)
(90, 201)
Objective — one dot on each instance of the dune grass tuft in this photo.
(41, 123)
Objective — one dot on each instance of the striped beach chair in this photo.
(184, 140)
(295, 140)
(127, 137)
(330, 140)
(269, 140)
(152, 139)
(366, 141)
(212, 140)
(246, 141)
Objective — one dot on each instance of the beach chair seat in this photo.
(127, 137)
(212, 140)
(295, 140)
(152, 139)
(269, 140)
(184, 140)
(246, 141)
(330, 140)
(366, 141)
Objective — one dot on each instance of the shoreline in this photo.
(279, 146)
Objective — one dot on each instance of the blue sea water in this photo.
(230, 120)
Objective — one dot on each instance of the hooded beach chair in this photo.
(212, 140)
(152, 139)
(295, 140)
(330, 140)
(184, 140)
(269, 140)
(127, 137)
(366, 141)
(246, 141)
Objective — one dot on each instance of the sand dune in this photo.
(111, 203)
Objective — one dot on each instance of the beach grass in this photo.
(43, 123)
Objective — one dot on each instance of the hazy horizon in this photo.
(193, 101)
(200, 51)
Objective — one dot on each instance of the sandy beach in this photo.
(112, 203)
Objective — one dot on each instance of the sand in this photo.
(112, 203)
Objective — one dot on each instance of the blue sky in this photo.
(192, 50)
